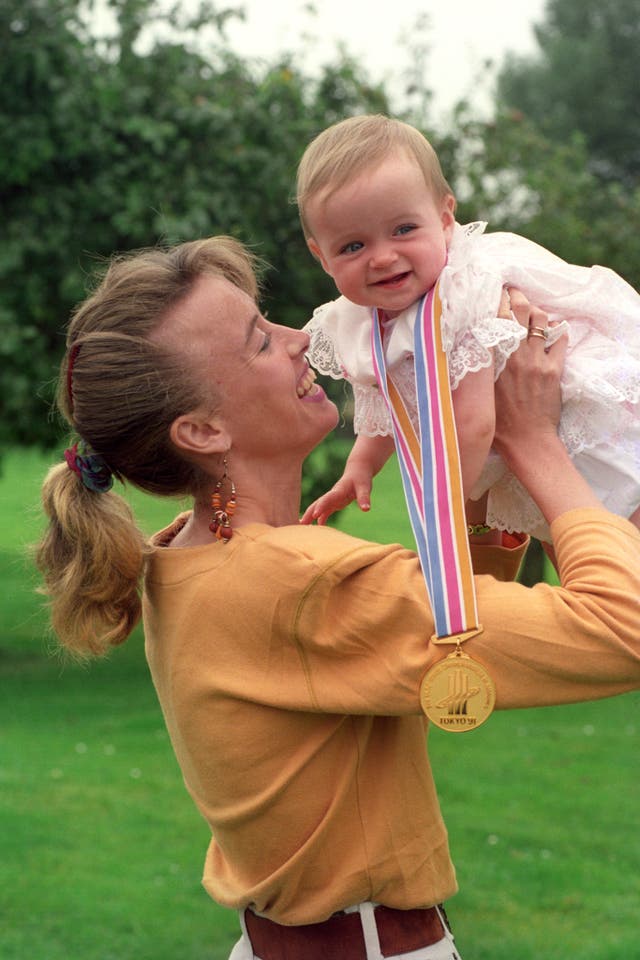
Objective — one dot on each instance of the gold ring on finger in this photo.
(542, 332)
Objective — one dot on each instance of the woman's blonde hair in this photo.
(120, 389)
(345, 149)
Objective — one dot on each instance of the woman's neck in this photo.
(275, 502)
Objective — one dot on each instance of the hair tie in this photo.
(90, 467)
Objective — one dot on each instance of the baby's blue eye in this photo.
(352, 247)
(405, 228)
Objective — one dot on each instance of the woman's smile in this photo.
(306, 382)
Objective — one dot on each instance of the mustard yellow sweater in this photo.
(288, 664)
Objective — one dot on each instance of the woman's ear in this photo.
(198, 434)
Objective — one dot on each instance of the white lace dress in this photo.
(600, 424)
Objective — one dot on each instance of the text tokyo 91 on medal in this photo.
(457, 694)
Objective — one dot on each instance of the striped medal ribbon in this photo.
(457, 694)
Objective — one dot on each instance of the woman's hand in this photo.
(528, 399)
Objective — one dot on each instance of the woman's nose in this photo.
(297, 342)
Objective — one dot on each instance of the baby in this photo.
(379, 215)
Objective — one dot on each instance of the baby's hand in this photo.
(348, 488)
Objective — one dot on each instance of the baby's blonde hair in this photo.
(347, 148)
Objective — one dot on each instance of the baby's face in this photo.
(383, 236)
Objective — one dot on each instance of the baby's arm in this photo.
(475, 413)
(367, 457)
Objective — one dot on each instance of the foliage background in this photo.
(155, 136)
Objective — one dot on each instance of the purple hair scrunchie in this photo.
(90, 467)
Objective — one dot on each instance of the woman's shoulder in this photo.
(315, 544)
(298, 552)
(318, 557)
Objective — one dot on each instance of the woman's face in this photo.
(257, 371)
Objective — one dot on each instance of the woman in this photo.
(288, 659)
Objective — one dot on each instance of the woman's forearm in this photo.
(545, 468)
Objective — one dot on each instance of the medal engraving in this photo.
(457, 694)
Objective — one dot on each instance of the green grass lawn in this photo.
(101, 848)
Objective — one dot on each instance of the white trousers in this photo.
(442, 950)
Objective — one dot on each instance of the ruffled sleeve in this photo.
(340, 347)
(470, 289)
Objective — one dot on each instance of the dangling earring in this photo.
(221, 519)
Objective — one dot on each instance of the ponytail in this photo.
(92, 559)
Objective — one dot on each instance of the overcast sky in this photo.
(461, 36)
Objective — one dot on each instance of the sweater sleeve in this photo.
(363, 628)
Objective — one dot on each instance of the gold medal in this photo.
(457, 694)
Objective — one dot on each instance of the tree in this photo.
(584, 78)
(113, 145)
(560, 159)
(506, 171)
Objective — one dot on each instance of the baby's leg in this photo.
(474, 409)
(635, 517)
